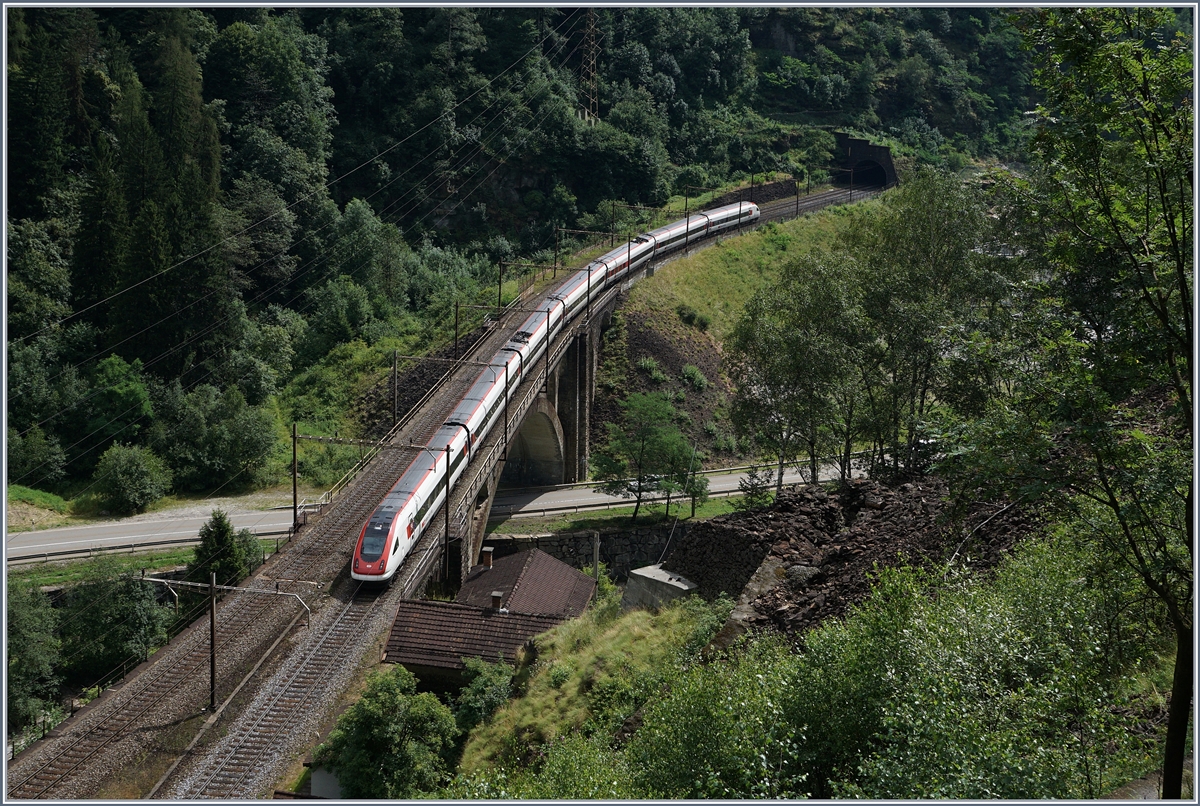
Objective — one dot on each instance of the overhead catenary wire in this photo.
(294, 244)
(360, 166)
(117, 417)
(262, 295)
(498, 165)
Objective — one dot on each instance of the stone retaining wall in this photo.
(621, 550)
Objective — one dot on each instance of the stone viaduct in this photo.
(545, 439)
(549, 422)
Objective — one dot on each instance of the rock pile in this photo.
(826, 545)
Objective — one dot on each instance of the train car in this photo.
(406, 511)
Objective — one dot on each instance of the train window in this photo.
(372, 547)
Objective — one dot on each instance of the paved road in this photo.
(182, 528)
(162, 528)
(530, 502)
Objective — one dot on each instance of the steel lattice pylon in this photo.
(590, 51)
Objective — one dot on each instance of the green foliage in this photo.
(574, 767)
(1100, 422)
(109, 623)
(33, 654)
(232, 556)
(694, 378)
(391, 743)
(37, 498)
(592, 674)
(646, 446)
(120, 401)
(488, 686)
(721, 731)
(39, 282)
(34, 458)
(690, 316)
(211, 437)
(341, 312)
(755, 487)
(129, 478)
(1008, 689)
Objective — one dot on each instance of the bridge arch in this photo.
(535, 453)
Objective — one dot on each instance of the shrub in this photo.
(720, 732)
(34, 458)
(756, 489)
(647, 364)
(726, 443)
(109, 622)
(33, 653)
(694, 378)
(489, 686)
(391, 743)
(231, 555)
(690, 316)
(129, 478)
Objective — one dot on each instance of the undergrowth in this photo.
(592, 673)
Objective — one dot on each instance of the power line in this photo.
(304, 198)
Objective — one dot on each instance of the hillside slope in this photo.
(680, 316)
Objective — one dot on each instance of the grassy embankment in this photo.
(69, 572)
(680, 317)
(591, 674)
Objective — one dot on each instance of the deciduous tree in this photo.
(391, 743)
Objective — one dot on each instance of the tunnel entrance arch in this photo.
(866, 174)
(871, 164)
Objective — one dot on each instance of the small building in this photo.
(499, 608)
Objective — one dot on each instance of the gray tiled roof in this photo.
(440, 634)
(531, 582)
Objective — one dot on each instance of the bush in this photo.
(211, 437)
(109, 623)
(33, 652)
(694, 378)
(231, 555)
(392, 742)
(756, 489)
(721, 732)
(489, 685)
(129, 478)
(690, 316)
(34, 458)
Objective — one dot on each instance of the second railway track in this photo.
(174, 687)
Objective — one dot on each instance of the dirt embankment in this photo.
(673, 345)
(827, 544)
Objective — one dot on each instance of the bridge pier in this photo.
(574, 389)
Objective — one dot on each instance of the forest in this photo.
(220, 220)
(204, 203)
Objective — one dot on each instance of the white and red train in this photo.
(405, 512)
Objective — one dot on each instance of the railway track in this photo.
(310, 675)
(168, 689)
(789, 208)
(175, 685)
